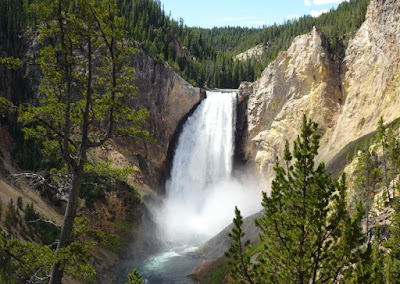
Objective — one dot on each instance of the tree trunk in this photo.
(69, 216)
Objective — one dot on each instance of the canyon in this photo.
(345, 96)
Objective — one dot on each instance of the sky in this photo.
(245, 13)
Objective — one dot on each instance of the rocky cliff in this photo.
(370, 77)
(169, 99)
(346, 98)
(304, 79)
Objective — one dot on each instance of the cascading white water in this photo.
(201, 193)
(205, 150)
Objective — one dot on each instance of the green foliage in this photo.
(11, 62)
(393, 156)
(32, 226)
(206, 56)
(218, 274)
(77, 93)
(367, 181)
(370, 267)
(19, 203)
(378, 166)
(13, 19)
(307, 233)
(86, 84)
(393, 258)
(74, 257)
(99, 179)
(11, 217)
(376, 171)
(22, 262)
(134, 277)
(38, 228)
(5, 107)
(241, 267)
(382, 140)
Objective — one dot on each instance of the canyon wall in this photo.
(169, 99)
(346, 98)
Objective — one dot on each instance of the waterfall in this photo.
(204, 154)
(202, 192)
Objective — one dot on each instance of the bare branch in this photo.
(61, 186)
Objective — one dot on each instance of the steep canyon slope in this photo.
(168, 98)
(345, 97)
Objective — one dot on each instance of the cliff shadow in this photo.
(173, 144)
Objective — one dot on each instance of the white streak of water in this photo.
(201, 193)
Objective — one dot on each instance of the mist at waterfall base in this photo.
(185, 222)
(202, 192)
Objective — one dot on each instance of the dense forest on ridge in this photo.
(205, 57)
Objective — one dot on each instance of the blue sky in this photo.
(246, 13)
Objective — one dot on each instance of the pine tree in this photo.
(367, 178)
(382, 139)
(241, 267)
(377, 267)
(135, 278)
(393, 157)
(308, 234)
(393, 258)
(86, 82)
(370, 268)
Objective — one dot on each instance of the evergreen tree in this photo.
(370, 269)
(368, 177)
(393, 157)
(382, 140)
(393, 258)
(135, 278)
(308, 234)
(377, 267)
(241, 267)
(82, 99)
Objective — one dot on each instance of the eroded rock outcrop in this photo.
(304, 79)
(346, 98)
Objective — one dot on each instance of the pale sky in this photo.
(245, 13)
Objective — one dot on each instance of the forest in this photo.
(205, 57)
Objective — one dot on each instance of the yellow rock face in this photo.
(304, 79)
(346, 98)
(370, 84)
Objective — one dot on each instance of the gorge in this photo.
(213, 149)
(203, 189)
